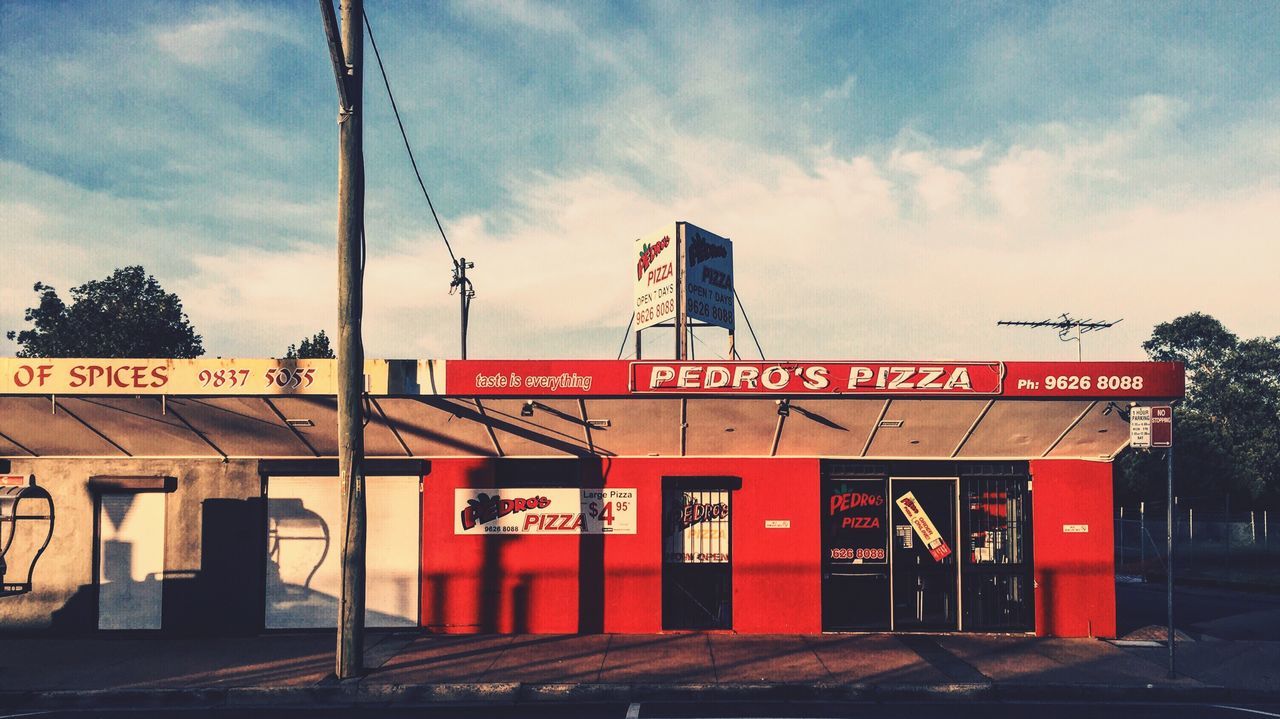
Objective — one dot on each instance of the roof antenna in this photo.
(1064, 327)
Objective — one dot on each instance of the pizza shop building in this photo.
(200, 496)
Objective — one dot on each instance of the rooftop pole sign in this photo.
(683, 274)
(655, 278)
(708, 272)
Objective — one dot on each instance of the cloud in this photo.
(222, 37)
(832, 258)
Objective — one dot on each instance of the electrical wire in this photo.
(748, 319)
(626, 333)
(403, 135)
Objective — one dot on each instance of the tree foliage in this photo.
(127, 314)
(314, 347)
(1227, 431)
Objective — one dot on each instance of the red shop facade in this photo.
(600, 496)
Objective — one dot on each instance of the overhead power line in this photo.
(404, 136)
(460, 283)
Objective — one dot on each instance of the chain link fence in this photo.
(1213, 542)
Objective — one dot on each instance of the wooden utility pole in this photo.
(348, 58)
(465, 293)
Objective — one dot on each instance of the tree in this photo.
(315, 347)
(127, 314)
(1227, 432)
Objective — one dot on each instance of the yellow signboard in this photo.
(181, 376)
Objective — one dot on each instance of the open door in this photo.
(924, 567)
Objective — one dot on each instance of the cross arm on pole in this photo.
(336, 55)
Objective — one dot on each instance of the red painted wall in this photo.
(1074, 572)
(776, 572)
(613, 583)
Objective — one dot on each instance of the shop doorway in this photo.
(697, 572)
(924, 569)
(995, 520)
(130, 560)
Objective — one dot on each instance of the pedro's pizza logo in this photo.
(485, 508)
(649, 253)
(696, 513)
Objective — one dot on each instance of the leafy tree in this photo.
(126, 314)
(1227, 432)
(314, 347)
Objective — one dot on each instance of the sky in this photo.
(896, 177)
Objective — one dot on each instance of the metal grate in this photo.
(698, 528)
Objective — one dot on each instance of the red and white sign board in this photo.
(923, 527)
(545, 510)
(815, 378)
(1162, 426)
(619, 378)
(655, 277)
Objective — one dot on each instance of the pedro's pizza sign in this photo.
(546, 510)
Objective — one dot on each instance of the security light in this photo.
(526, 409)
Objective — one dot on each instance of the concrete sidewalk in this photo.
(414, 667)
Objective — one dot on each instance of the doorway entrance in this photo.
(130, 560)
(925, 573)
(697, 575)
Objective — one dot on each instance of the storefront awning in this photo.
(903, 410)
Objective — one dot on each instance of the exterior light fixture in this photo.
(299, 423)
(784, 408)
(599, 423)
(526, 409)
(27, 510)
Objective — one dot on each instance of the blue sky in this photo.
(896, 176)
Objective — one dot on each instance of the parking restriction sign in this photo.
(1162, 426)
(1140, 427)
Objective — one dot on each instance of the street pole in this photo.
(349, 51)
(682, 320)
(462, 294)
(1169, 556)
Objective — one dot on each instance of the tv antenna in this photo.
(1064, 326)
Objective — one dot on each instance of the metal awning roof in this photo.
(605, 416)
(262, 427)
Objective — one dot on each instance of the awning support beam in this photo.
(17, 444)
(872, 435)
(488, 427)
(391, 425)
(973, 427)
(194, 431)
(93, 429)
(1070, 427)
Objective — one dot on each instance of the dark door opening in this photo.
(925, 580)
(697, 574)
(996, 523)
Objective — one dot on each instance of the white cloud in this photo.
(224, 36)
(829, 261)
